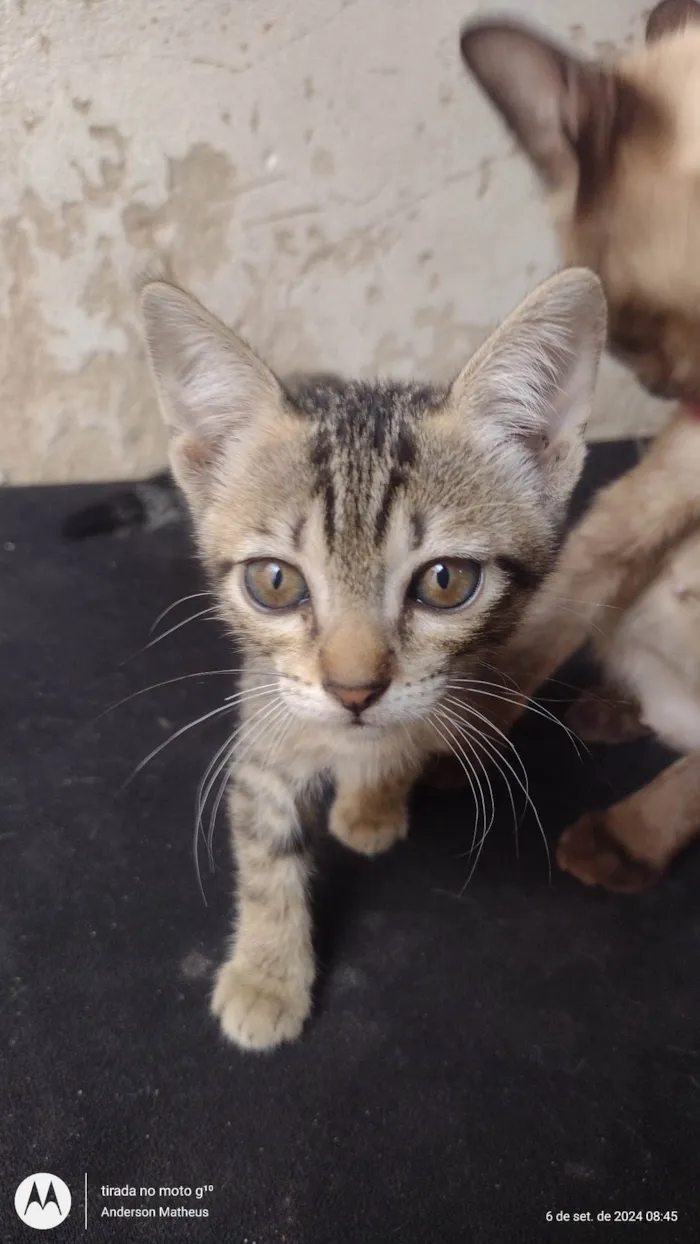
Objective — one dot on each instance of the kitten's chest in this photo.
(371, 754)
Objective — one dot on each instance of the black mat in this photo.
(476, 1058)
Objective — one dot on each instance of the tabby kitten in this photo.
(369, 545)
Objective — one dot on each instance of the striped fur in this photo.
(359, 486)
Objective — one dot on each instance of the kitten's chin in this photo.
(345, 729)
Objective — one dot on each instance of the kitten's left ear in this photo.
(529, 389)
(211, 385)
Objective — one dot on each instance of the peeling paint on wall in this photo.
(326, 179)
(193, 221)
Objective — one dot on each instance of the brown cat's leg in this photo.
(263, 992)
(370, 818)
(607, 560)
(601, 715)
(628, 847)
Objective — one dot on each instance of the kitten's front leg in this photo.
(370, 817)
(608, 559)
(263, 992)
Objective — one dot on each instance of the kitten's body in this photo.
(618, 150)
(335, 524)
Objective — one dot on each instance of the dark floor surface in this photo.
(475, 1060)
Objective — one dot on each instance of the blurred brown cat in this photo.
(617, 149)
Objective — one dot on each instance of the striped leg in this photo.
(263, 992)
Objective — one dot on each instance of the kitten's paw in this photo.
(366, 830)
(596, 719)
(256, 1011)
(589, 852)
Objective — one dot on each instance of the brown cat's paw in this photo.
(257, 1011)
(596, 719)
(367, 830)
(588, 851)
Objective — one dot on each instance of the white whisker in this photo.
(558, 682)
(209, 777)
(494, 670)
(203, 613)
(585, 618)
(223, 756)
(577, 600)
(251, 730)
(276, 743)
(464, 705)
(478, 847)
(478, 687)
(183, 600)
(166, 683)
(450, 719)
(200, 797)
(222, 708)
(494, 755)
(469, 770)
(525, 787)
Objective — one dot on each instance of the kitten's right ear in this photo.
(211, 385)
(528, 390)
(564, 111)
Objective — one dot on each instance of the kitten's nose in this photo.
(358, 698)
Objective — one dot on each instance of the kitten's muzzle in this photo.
(357, 698)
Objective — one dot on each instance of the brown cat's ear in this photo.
(211, 385)
(528, 391)
(564, 111)
(670, 16)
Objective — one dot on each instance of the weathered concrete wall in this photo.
(321, 173)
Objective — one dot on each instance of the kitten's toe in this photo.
(256, 1011)
(589, 852)
(367, 834)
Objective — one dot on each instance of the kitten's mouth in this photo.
(365, 726)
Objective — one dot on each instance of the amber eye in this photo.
(275, 585)
(446, 584)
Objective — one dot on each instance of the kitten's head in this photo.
(618, 150)
(367, 540)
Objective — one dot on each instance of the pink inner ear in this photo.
(538, 443)
(669, 17)
(197, 454)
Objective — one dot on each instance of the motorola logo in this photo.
(42, 1201)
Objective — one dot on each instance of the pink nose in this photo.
(357, 699)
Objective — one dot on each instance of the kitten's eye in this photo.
(446, 584)
(275, 585)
